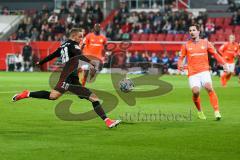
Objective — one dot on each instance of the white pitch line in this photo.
(9, 92)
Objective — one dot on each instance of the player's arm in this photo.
(183, 54)
(222, 48)
(55, 54)
(76, 50)
(212, 50)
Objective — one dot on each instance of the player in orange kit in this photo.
(196, 51)
(229, 51)
(93, 47)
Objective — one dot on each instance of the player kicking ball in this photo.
(196, 51)
(70, 54)
(229, 51)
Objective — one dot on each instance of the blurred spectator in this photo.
(89, 9)
(45, 9)
(147, 29)
(123, 8)
(49, 25)
(133, 57)
(34, 34)
(11, 61)
(21, 34)
(169, 21)
(63, 10)
(165, 58)
(167, 27)
(98, 14)
(173, 62)
(236, 18)
(214, 65)
(27, 56)
(145, 57)
(53, 18)
(133, 18)
(19, 62)
(209, 27)
(165, 61)
(232, 6)
(5, 11)
(155, 58)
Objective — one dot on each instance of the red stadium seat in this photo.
(227, 21)
(161, 37)
(219, 31)
(236, 29)
(178, 37)
(212, 19)
(144, 37)
(169, 37)
(238, 38)
(219, 21)
(135, 37)
(213, 38)
(228, 31)
(186, 37)
(221, 37)
(152, 37)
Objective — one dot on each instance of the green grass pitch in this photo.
(30, 130)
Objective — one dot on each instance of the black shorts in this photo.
(73, 85)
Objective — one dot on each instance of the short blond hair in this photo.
(74, 31)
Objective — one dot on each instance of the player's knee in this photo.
(208, 87)
(93, 98)
(54, 96)
(196, 91)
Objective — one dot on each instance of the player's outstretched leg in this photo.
(100, 112)
(197, 102)
(213, 100)
(85, 93)
(53, 95)
(19, 96)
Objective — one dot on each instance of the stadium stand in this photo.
(50, 25)
(165, 26)
(142, 26)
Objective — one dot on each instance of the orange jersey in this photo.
(197, 56)
(229, 51)
(94, 45)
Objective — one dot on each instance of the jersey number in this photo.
(65, 85)
(64, 55)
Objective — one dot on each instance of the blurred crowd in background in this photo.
(49, 25)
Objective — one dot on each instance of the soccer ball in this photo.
(126, 85)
